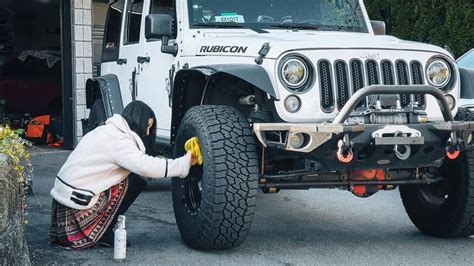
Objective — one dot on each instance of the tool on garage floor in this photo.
(192, 145)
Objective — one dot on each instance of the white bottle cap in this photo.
(121, 218)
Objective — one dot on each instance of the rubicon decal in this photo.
(224, 49)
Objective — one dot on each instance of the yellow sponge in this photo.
(192, 145)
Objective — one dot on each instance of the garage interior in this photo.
(39, 62)
(30, 63)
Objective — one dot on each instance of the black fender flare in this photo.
(253, 74)
(107, 88)
(182, 99)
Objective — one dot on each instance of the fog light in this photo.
(297, 141)
(292, 104)
(451, 101)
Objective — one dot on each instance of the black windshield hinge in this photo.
(262, 53)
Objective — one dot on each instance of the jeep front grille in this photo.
(387, 76)
(357, 72)
(327, 94)
(372, 72)
(339, 80)
(403, 79)
(342, 84)
(417, 75)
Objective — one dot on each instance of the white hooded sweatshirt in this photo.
(105, 157)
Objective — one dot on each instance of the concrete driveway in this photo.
(292, 227)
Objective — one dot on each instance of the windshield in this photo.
(329, 15)
(467, 60)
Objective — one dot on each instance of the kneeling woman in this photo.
(103, 176)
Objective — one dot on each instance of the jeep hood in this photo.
(249, 44)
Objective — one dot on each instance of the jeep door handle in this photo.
(143, 59)
(121, 61)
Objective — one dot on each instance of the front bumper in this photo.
(373, 145)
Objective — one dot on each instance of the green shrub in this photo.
(439, 22)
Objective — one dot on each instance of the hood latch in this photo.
(262, 53)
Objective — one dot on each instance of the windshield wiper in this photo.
(297, 26)
(350, 28)
(311, 26)
(228, 25)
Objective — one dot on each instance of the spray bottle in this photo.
(120, 240)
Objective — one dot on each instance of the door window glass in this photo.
(110, 50)
(134, 19)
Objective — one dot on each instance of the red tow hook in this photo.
(452, 155)
(452, 148)
(344, 157)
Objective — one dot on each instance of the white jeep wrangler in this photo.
(285, 94)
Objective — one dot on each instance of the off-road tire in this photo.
(221, 216)
(465, 114)
(452, 217)
(97, 116)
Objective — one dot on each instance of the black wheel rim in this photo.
(435, 194)
(193, 189)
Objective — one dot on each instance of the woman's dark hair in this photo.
(137, 114)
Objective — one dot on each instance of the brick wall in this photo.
(82, 54)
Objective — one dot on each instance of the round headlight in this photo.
(294, 73)
(292, 104)
(439, 73)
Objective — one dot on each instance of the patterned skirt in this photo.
(80, 229)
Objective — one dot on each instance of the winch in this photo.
(388, 110)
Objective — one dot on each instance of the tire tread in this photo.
(230, 205)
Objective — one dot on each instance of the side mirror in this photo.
(378, 27)
(160, 26)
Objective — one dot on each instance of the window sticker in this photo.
(230, 17)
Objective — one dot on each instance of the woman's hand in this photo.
(193, 160)
(190, 161)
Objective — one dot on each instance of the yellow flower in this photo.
(13, 146)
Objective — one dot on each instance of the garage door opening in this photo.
(31, 75)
